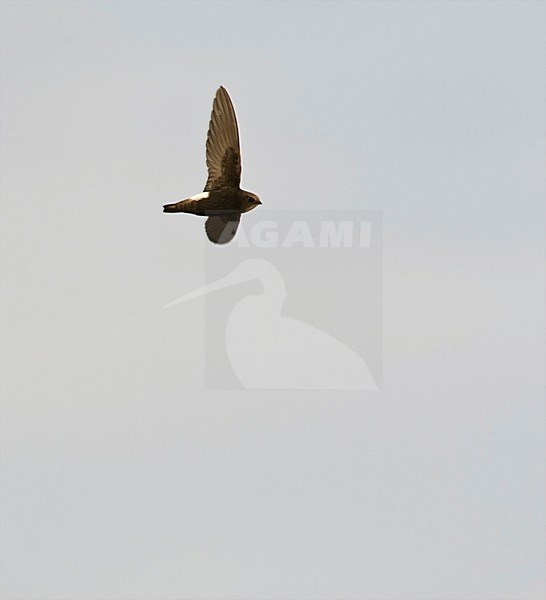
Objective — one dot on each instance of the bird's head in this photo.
(249, 201)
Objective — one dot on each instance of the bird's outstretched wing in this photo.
(223, 152)
(221, 229)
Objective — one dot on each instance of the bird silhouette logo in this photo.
(222, 200)
(270, 351)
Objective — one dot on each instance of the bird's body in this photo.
(227, 199)
(222, 201)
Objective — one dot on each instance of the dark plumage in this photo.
(222, 200)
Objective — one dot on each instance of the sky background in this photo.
(122, 477)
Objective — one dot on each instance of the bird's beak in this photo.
(236, 276)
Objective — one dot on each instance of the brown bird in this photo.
(222, 200)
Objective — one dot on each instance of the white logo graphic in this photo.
(270, 351)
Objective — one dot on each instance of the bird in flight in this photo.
(222, 200)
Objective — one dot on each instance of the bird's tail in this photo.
(182, 206)
(173, 207)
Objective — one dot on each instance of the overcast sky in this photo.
(123, 478)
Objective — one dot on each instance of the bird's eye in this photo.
(250, 199)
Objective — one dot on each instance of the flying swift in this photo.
(222, 200)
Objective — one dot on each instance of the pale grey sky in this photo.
(122, 477)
